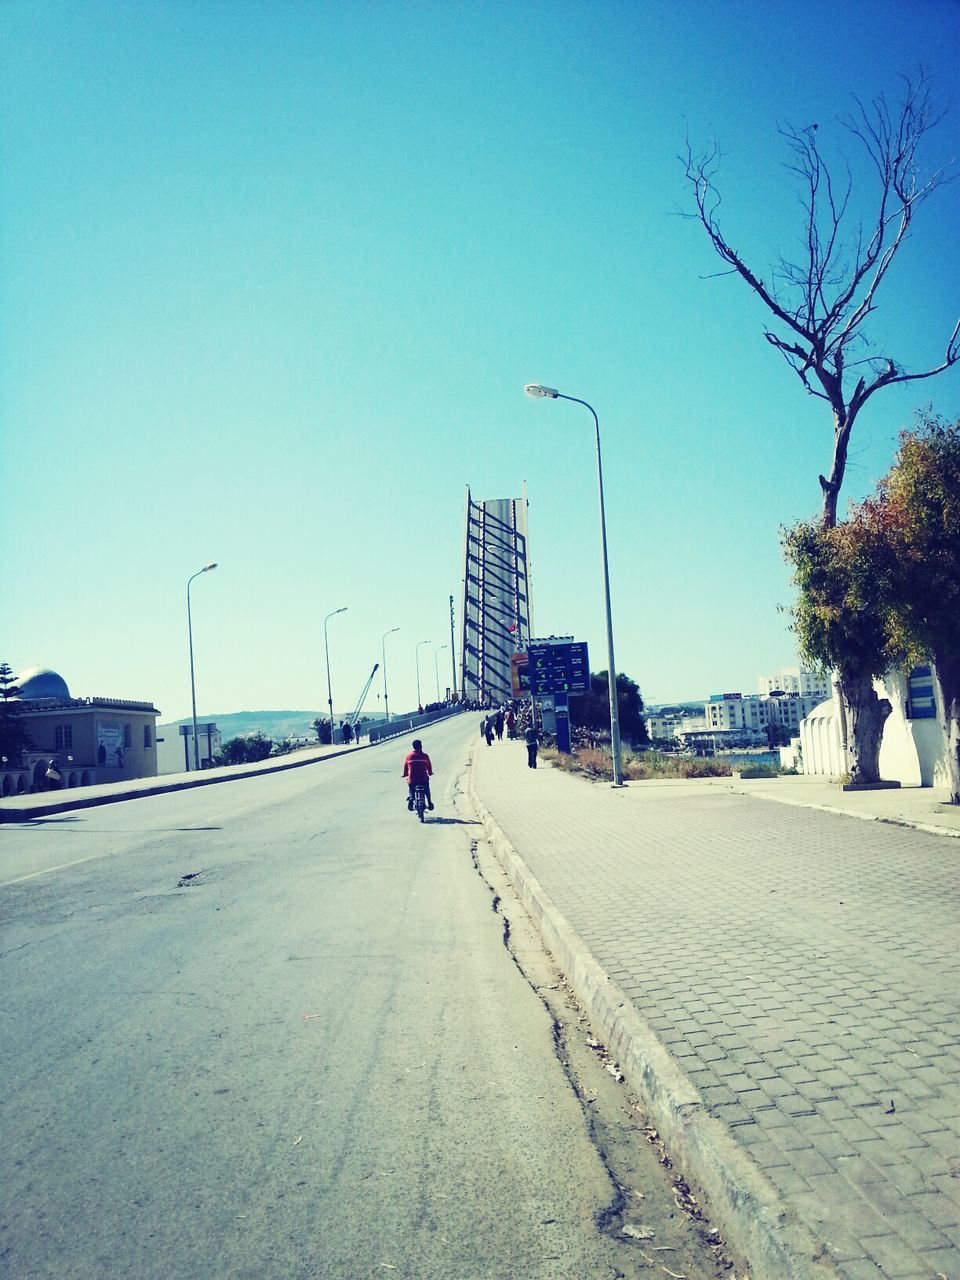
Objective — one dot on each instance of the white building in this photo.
(671, 724)
(734, 711)
(788, 709)
(794, 680)
(913, 750)
(175, 746)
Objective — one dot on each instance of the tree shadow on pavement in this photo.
(455, 822)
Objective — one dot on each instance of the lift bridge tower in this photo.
(496, 595)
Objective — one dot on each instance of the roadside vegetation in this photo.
(881, 589)
(638, 766)
(245, 750)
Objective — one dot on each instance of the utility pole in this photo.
(453, 652)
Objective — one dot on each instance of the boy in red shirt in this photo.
(417, 768)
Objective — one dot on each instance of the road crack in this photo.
(651, 1213)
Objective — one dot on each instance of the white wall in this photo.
(912, 752)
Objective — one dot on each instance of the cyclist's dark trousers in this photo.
(532, 754)
(426, 791)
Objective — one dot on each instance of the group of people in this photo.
(494, 724)
(350, 732)
(505, 718)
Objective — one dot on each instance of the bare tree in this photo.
(820, 303)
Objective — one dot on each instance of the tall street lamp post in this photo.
(420, 644)
(326, 650)
(193, 684)
(383, 655)
(548, 393)
(436, 669)
(453, 655)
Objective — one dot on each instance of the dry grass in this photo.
(595, 764)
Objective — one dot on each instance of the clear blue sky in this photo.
(274, 276)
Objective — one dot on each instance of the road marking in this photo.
(49, 870)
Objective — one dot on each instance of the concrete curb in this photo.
(743, 1203)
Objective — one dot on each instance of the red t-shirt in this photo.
(417, 766)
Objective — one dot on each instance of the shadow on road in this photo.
(43, 822)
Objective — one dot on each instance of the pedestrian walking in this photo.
(532, 739)
(498, 725)
(345, 731)
(357, 732)
(488, 730)
(511, 722)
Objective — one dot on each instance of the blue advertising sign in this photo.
(557, 669)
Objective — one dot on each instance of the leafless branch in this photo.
(824, 298)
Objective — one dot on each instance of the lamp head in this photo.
(540, 393)
(207, 567)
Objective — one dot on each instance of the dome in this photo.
(41, 682)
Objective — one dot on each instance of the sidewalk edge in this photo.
(751, 1213)
(910, 823)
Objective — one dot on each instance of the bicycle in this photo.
(420, 799)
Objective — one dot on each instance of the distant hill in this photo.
(242, 724)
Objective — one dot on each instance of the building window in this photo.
(920, 700)
(147, 737)
(63, 737)
(127, 736)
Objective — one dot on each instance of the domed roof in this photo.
(41, 682)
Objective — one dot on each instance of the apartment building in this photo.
(795, 680)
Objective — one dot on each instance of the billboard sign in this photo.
(520, 675)
(562, 668)
(109, 743)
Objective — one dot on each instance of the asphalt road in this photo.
(269, 1029)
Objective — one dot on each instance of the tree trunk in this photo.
(843, 419)
(948, 677)
(868, 712)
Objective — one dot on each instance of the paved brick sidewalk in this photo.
(803, 968)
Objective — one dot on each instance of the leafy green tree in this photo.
(592, 710)
(847, 577)
(917, 513)
(246, 750)
(234, 751)
(14, 737)
(883, 588)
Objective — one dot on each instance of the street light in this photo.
(326, 650)
(193, 684)
(436, 669)
(420, 644)
(383, 654)
(548, 393)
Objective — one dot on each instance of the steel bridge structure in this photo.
(496, 596)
